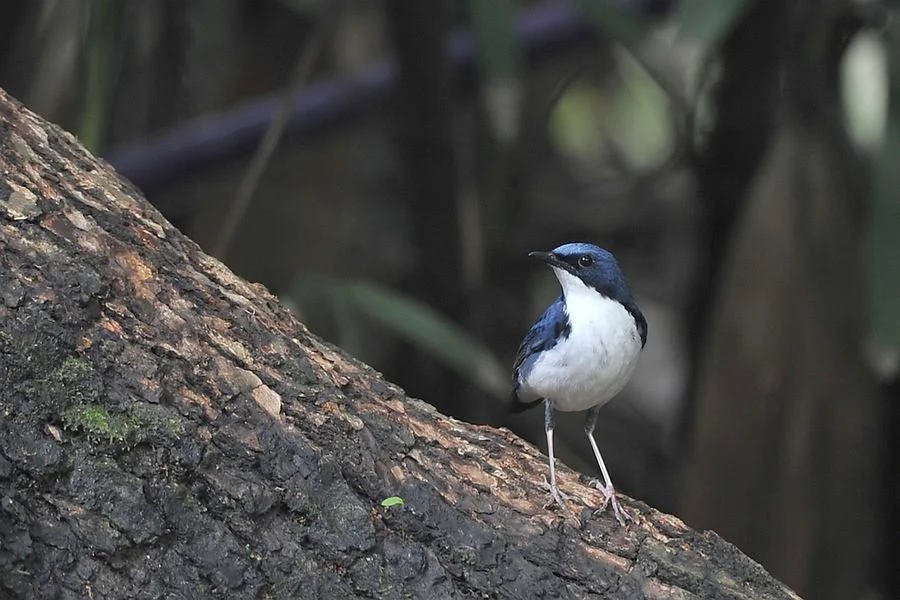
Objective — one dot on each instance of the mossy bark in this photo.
(169, 430)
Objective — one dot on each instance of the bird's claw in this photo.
(556, 495)
(619, 511)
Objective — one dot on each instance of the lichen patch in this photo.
(267, 399)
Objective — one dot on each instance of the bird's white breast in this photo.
(596, 360)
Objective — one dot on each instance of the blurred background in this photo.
(386, 166)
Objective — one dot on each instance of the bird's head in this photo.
(578, 264)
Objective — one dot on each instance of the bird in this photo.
(582, 351)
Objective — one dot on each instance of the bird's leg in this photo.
(608, 490)
(555, 493)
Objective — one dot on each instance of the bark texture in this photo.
(168, 430)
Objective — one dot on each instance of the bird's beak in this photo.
(548, 258)
(551, 260)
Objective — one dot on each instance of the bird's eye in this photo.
(585, 261)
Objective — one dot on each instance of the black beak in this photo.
(550, 259)
(544, 257)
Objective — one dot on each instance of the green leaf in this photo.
(101, 57)
(408, 319)
(431, 331)
(392, 501)
(350, 330)
(709, 21)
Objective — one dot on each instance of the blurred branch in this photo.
(324, 30)
(160, 161)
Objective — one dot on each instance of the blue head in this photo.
(595, 267)
(580, 263)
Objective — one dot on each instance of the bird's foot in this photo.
(556, 495)
(619, 511)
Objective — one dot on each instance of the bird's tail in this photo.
(516, 405)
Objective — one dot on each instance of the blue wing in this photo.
(552, 327)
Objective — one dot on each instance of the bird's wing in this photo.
(639, 320)
(543, 335)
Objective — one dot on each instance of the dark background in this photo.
(385, 167)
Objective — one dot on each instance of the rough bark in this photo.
(169, 430)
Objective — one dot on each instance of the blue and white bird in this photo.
(583, 350)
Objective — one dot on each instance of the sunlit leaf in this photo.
(392, 501)
(709, 21)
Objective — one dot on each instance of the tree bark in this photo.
(169, 430)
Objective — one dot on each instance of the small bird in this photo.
(583, 349)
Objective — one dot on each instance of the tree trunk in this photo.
(168, 430)
(788, 420)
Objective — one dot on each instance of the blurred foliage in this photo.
(575, 122)
(499, 64)
(352, 302)
(864, 91)
(640, 124)
(101, 61)
(709, 21)
(885, 244)
(304, 6)
(623, 27)
(629, 119)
